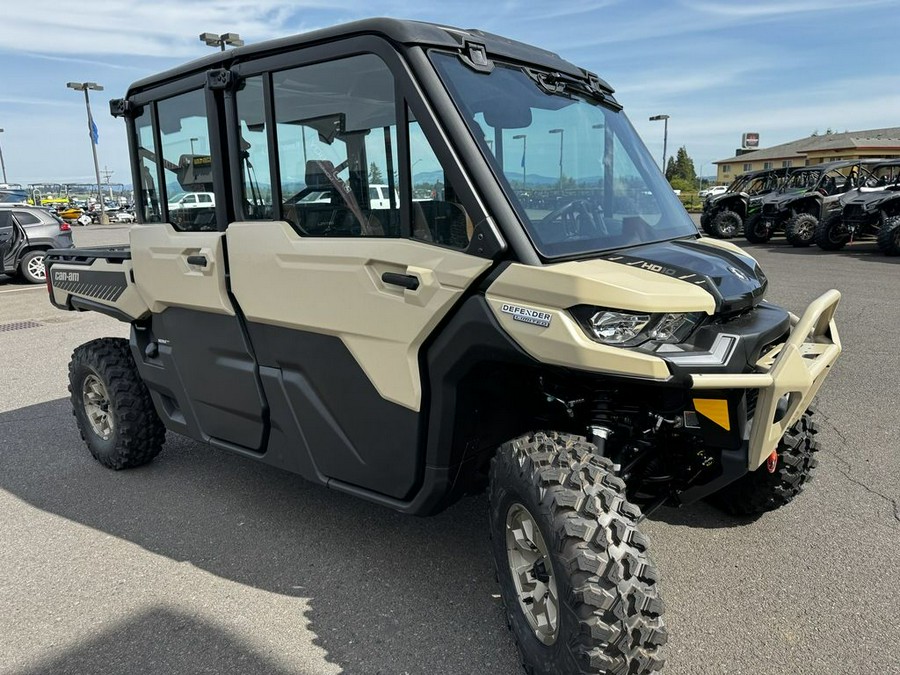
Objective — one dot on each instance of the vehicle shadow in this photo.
(700, 516)
(387, 593)
(171, 640)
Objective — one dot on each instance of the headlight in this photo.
(755, 200)
(627, 329)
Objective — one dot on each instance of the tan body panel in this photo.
(67, 281)
(334, 287)
(555, 288)
(165, 279)
(726, 245)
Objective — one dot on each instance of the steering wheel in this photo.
(573, 213)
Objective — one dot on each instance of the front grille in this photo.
(752, 397)
(853, 212)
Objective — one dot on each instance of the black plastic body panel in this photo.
(201, 375)
(351, 433)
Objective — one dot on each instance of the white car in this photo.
(379, 197)
(123, 217)
(713, 191)
(192, 200)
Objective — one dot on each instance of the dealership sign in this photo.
(750, 139)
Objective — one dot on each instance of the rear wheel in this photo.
(757, 230)
(112, 406)
(831, 234)
(726, 224)
(32, 267)
(764, 490)
(889, 236)
(800, 230)
(580, 590)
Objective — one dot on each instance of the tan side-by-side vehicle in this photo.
(526, 308)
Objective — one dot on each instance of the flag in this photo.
(95, 135)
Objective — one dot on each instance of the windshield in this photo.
(575, 170)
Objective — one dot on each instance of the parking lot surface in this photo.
(205, 562)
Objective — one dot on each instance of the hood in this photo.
(734, 279)
(872, 199)
(713, 201)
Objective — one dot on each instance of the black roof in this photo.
(395, 30)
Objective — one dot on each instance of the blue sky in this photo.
(718, 68)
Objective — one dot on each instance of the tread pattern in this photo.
(823, 237)
(612, 585)
(889, 236)
(138, 434)
(726, 224)
(751, 233)
(794, 226)
(760, 491)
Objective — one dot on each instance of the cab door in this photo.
(340, 295)
(11, 240)
(194, 354)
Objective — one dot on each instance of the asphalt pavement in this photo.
(205, 562)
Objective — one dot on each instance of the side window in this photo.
(437, 214)
(254, 152)
(26, 218)
(186, 160)
(147, 194)
(336, 127)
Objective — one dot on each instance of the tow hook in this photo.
(772, 461)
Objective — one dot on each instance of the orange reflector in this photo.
(772, 461)
(715, 409)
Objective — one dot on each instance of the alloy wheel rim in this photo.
(532, 573)
(97, 407)
(36, 267)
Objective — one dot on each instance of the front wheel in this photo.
(726, 224)
(831, 235)
(757, 230)
(801, 229)
(112, 406)
(580, 590)
(772, 486)
(889, 236)
(32, 267)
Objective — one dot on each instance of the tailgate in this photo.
(96, 279)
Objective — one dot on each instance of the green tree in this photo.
(375, 175)
(670, 168)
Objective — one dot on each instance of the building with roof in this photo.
(813, 150)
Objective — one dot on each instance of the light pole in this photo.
(524, 138)
(561, 132)
(1, 161)
(665, 119)
(192, 145)
(92, 133)
(700, 176)
(213, 40)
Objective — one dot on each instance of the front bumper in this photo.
(793, 370)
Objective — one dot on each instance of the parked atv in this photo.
(573, 358)
(872, 210)
(725, 214)
(807, 194)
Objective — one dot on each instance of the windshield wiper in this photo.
(591, 87)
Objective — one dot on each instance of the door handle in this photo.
(199, 260)
(407, 281)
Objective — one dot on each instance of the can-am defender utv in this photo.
(802, 201)
(570, 344)
(725, 215)
(872, 210)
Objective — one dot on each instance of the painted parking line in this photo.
(36, 287)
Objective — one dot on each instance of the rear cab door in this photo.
(193, 351)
